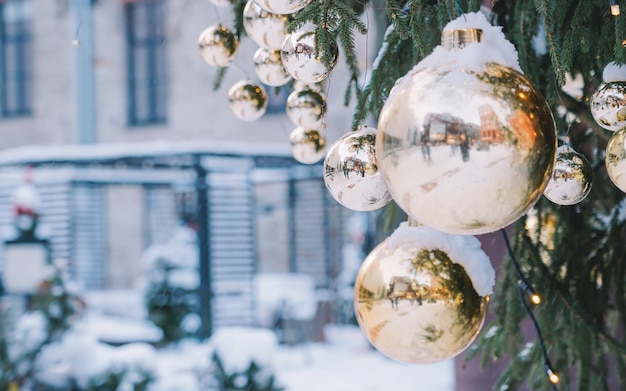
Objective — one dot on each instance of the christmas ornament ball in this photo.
(282, 6)
(269, 68)
(615, 160)
(413, 298)
(221, 3)
(266, 29)
(218, 45)
(300, 60)
(308, 146)
(351, 172)
(247, 100)
(608, 105)
(306, 108)
(466, 151)
(571, 178)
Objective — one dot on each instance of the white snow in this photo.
(289, 295)
(464, 250)
(237, 347)
(614, 72)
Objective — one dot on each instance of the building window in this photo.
(15, 18)
(147, 84)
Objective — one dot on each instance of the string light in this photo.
(614, 7)
(553, 377)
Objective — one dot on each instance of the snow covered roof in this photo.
(135, 152)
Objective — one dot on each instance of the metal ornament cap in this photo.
(351, 172)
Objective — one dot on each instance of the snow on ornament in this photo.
(300, 59)
(608, 102)
(218, 45)
(465, 142)
(351, 172)
(571, 179)
(421, 295)
(269, 68)
(308, 146)
(247, 100)
(266, 29)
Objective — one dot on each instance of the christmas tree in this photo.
(566, 261)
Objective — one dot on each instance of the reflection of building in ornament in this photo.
(490, 128)
(522, 127)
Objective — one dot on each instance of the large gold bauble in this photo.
(308, 146)
(266, 29)
(608, 105)
(571, 179)
(269, 68)
(247, 100)
(218, 45)
(300, 60)
(306, 108)
(466, 152)
(351, 172)
(414, 302)
(615, 159)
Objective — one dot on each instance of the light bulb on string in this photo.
(614, 8)
(553, 377)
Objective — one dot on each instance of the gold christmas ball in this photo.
(608, 105)
(300, 60)
(464, 151)
(266, 29)
(615, 160)
(421, 295)
(269, 68)
(351, 174)
(308, 146)
(282, 6)
(306, 108)
(571, 178)
(218, 45)
(247, 100)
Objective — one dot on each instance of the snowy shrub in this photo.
(171, 284)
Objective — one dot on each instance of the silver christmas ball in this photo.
(571, 178)
(218, 45)
(283, 6)
(308, 146)
(221, 3)
(306, 108)
(247, 100)
(463, 151)
(415, 297)
(351, 172)
(266, 29)
(269, 68)
(615, 159)
(299, 59)
(608, 105)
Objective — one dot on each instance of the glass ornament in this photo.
(351, 172)
(266, 29)
(308, 146)
(221, 3)
(416, 297)
(300, 60)
(615, 159)
(608, 105)
(465, 149)
(218, 45)
(269, 68)
(572, 178)
(247, 100)
(306, 108)
(283, 6)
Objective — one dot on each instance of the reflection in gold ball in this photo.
(608, 105)
(350, 172)
(247, 100)
(571, 179)
(616, 159)
(306, 108)
(308, 146)
(269, 68)
(300, 59)
(466, 152)
(266, 29)
(414, 302)
(218, 45)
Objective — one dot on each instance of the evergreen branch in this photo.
(544, 10)
(219, 78)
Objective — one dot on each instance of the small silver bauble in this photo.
(221, 3)
(218, 45)
(616, 159)
(571, 178)
(308, 146)
(608, 105)
(269, 68)
(266, 29)
(415, 297)
(351, 172)
(282, 6)
(247, 100)
(300, 60)
(306, 108)
(466, 151)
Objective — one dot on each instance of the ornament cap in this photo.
(459, 38)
